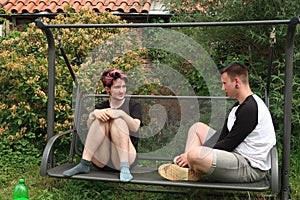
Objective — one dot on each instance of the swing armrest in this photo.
(45, 159)
(275, 184)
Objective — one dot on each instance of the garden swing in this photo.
(147, 173)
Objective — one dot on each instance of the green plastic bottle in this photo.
(20, 191)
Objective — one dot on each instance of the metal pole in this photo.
(169, 25)
(288, 107)
(51, 81)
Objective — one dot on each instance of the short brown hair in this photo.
(109, 75)
(236, 69)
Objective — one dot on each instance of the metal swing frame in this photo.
(48, 161)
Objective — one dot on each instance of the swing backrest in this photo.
(166, 120)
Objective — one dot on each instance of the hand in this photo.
(116, 113)
(103, 115)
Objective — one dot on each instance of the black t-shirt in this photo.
(133, 109)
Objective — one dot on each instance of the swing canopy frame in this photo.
(279, 179)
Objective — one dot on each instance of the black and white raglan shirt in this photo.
(249, 131)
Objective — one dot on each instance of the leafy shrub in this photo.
(250, 44)
(23, 82)
(23, 75)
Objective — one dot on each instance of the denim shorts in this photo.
(231, 167)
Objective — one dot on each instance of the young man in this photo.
(241, 151)
(112, 126)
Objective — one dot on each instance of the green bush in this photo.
(250, 44)
(23, 73)
(23, 76)
(23, 82)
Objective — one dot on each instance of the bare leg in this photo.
(196, 159)
(196, 137)
(122, 148)
(123, 151)
(96, 142)
(200, 159)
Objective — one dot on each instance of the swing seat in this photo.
(147, 175)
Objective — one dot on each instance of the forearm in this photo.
(133, 124)
(226, 145)
(107, 114)
(228, 141)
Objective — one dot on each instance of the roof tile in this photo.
(54, 6)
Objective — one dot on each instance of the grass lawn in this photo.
(49, 188)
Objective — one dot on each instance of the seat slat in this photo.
(149, 176)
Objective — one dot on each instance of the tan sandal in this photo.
(173, 172)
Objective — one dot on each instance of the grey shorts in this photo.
(231, 167)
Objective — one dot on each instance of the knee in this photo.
(119, 125)
(97, 124)
(198, 126)
(118, 122)
(199, 156)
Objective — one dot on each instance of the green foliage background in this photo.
(23, 70)
(251, 45)
(23, 62)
